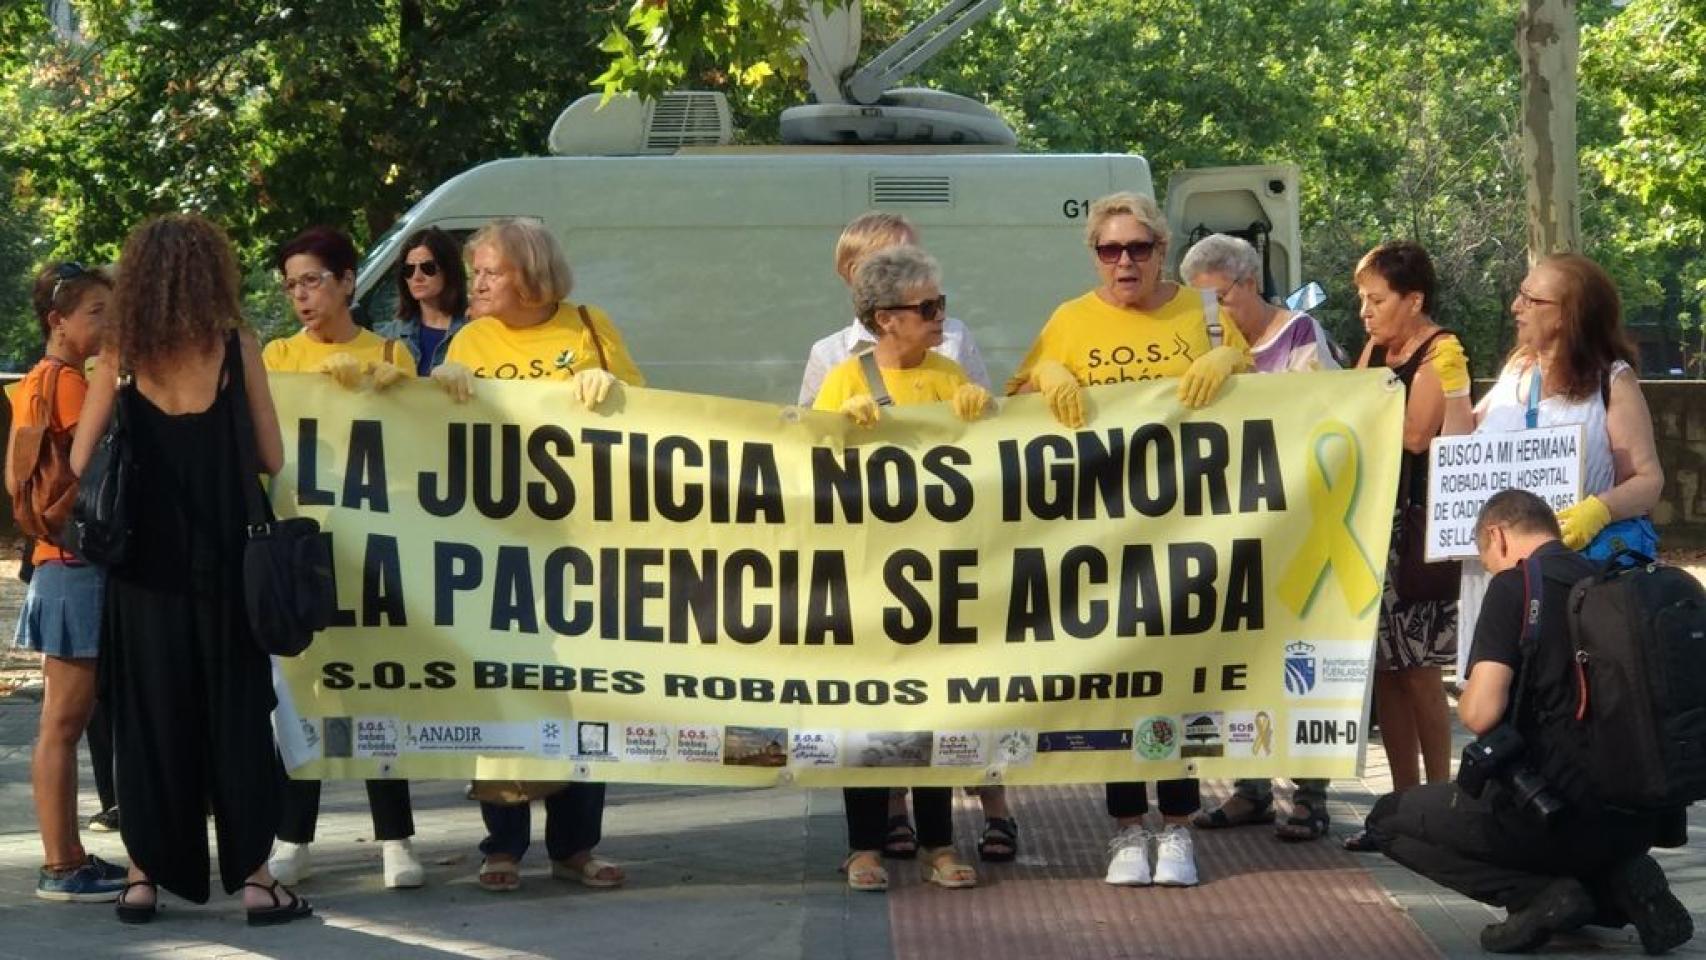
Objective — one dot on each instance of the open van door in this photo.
(1258, 203)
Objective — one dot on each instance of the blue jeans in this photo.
(574, 822)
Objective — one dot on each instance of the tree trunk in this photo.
(1547, 44)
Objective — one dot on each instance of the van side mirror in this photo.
(1307, 297)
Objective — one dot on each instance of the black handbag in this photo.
(288, 586)
(99, 529)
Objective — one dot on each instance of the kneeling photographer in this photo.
(1522, 827)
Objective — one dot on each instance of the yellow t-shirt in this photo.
(1102, 343)
(301, 353)
(557, 349)
(932, 381)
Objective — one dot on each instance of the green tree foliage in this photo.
(271, 116)
(1645, 72)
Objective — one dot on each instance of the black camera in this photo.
(1498, 756)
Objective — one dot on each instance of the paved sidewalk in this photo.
(751, 874)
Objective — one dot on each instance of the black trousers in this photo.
(100, 734)
(393, 815)
(1491, 851)
(574, 822)
(1176, 798)
(868, 816)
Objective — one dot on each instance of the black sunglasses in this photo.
(429, 267)
(1138, 250)
(69, 270)
(927, 309)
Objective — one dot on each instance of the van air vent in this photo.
(889, 189)
(688, 119)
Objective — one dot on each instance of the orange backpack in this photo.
(40, 462)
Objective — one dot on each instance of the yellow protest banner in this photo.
(686, 589)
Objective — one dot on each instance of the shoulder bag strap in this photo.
(46, 395)
(874, 377)
(243, 430)
(390, 351)
(597, 343)
(1211, 319)
(1408, 368)
(1533, 601)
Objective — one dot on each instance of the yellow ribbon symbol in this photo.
(1330, 543)
(1264, 735)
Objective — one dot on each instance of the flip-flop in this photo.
(941, 867)
(1219, 819)
(1298, 829)
(281, 911)
(588, 873)
(499, 876)
(870, 878)
(1000, 840)
(902, 841)
(135, 912)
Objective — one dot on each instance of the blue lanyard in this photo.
(1534, 398)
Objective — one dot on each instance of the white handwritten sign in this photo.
(1464, 471)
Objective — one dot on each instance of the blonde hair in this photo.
(1128, 204)
(868, 233)
(542, 269)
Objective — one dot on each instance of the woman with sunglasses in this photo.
(1134, 325)
(527, 329)
(897, 295)
(61, 618)
(432, 298)
(318, 270)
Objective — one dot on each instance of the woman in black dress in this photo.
(189, 690)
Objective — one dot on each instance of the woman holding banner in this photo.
(1417, 632)
(1135, 326)
(1285, 341)
(1573, 365)
(897, 295)
(318, 272)
(527, 329)
(432, 297)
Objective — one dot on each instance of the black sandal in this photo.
(133, 913)
(902, 842)
(1000, 840)
(1361, 842)
(280, 911)
(1299, 829)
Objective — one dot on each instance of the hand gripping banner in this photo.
(686, 589)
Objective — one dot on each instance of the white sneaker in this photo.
(1176, 858)
(1128, 860)
(290, 864)
(402, 870)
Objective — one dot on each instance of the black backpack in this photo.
(1638, 636)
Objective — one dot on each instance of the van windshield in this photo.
(379, 244)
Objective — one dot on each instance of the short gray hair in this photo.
(542, 269)
(882, 278)
(1231, 257)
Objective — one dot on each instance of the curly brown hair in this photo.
(178, 288)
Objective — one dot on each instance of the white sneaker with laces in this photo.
(1176, 858)
(402, 869)
(1128, 858)
(290, 864)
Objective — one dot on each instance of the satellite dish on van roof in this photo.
(864, 106)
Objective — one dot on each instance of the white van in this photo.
(717, 265)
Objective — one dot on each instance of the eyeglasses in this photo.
(69, 270)
(308, 282)
(929, 310)
(1138, 250)
(1523, 296)
(427, 267)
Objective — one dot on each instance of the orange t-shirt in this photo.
(65, 406)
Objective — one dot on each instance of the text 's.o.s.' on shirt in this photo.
(300, 353)
(64, 407)
(932, 381)
(1102, 343)
(557, 349)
